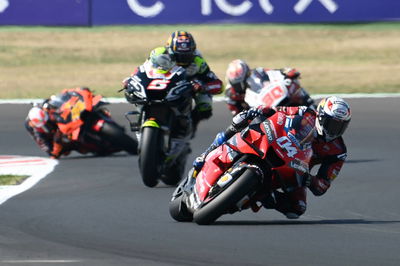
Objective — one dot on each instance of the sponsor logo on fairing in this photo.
(299, 165)
(281, 117)
(269, 130)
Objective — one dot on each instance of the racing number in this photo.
(158, 84)
(272, 95)
(285, 143)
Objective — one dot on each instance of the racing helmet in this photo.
(161, 61)
(236, 74)
(333, 117)
(38, 117)
(182, 47)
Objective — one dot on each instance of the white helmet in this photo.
(333, 117)
(38, 117)
(237, 73)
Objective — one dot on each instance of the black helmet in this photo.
(182, 47)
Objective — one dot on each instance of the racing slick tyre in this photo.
(116, 135)
(179, 211)
(227, 199)
(149, 156)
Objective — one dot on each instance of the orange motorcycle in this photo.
(87, 125)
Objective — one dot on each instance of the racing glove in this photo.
(319, 186)
(241, 120)
(198, 163)
(197, 85)
(291, 73)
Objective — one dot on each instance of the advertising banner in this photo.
(242, 11)
(111, 12)
(44, 12)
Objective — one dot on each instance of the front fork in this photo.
(136, 123)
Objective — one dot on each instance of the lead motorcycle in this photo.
(266, 156)
(87, 125)
(162, 122)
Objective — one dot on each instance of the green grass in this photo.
(333, 58)
(12, 179)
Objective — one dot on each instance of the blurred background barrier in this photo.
(45, 12)
(100, 12)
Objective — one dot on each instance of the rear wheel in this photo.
(150, 156)
(227, 199)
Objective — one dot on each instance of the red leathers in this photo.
(329, 155)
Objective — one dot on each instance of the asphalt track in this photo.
(96, 211)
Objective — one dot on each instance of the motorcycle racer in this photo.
(181, 46)
(239, 77)
(329, 122)
(42, 127)
(48, 122)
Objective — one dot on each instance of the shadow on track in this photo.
(363, 161)
(92, 156)
(291, 222)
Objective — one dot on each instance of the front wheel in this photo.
(150, 156)
(179, 211)
(227, 199)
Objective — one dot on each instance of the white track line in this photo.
(34, 167)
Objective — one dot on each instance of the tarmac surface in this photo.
(96, 211)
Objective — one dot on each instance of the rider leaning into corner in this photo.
(329, 121)
(41, 125)
(181, 46)
(238, 80)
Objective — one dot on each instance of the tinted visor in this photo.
(333, 127)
